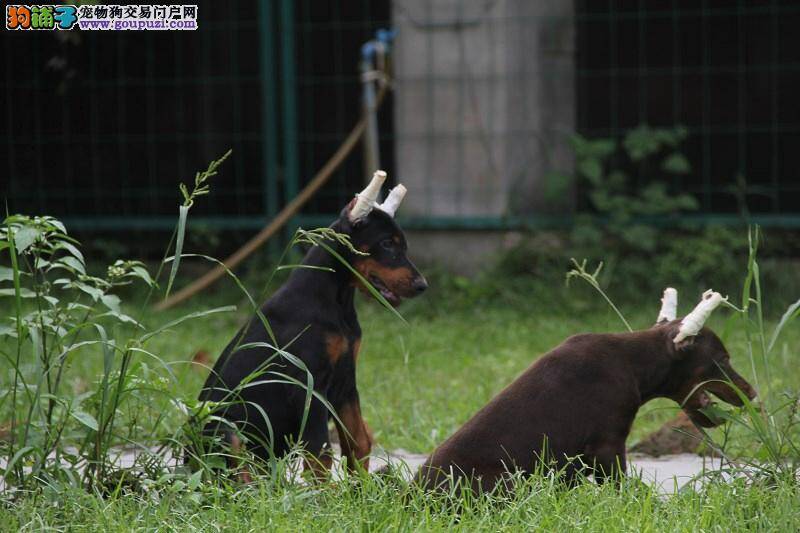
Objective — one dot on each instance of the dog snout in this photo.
(743, 385)
(419, 285)
(727, 393)
(748, 390)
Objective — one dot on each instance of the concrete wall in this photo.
(461, 252)
(484, 101)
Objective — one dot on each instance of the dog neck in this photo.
(328, 282)
(648, 357)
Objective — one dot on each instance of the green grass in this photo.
(420, 379)
(418, 382)
(369, 506)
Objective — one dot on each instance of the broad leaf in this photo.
(72, 264)
(85, 418)
(23, 292)
(6, 329)
(72, 249)
(143, 274)
(591, 168)
(676, 163)
(94, 292)
(25, 237)
(111, 301)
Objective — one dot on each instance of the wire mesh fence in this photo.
(728, 71)
(100, 127)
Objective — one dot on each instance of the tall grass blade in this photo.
(791, 313)
(197, 314)
(579, 271)
(183, 212)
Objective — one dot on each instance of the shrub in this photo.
(62, 312)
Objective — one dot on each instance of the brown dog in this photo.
(573, 408)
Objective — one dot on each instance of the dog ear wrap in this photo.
(393, 200)
(367, 199)
(693, 322)
(669, 306)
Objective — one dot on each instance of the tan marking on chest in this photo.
(356, 349)
(335, 346)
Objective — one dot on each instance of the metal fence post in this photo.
(291, 166)
(269, 108)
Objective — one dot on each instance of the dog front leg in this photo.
(315, 439)
(355, 437)
(234, 460)
(609, 462)
(319, 465)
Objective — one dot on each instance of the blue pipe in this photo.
(383, 39)
(370, 51)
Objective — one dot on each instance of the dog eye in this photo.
(387, 244)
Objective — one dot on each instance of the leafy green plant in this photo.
(621, 209)
(60, 312)
(772, 420)
(63, 313)
(629, 211)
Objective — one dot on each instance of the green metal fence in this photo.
(729, 71)
(494, 89)
(100, 127)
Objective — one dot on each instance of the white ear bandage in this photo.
(366, 199)
(693, 322)
(393, 201)
(669, 306)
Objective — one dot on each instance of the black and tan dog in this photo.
(314, 317)
(574, 406)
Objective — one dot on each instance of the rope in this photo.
(320, 178)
